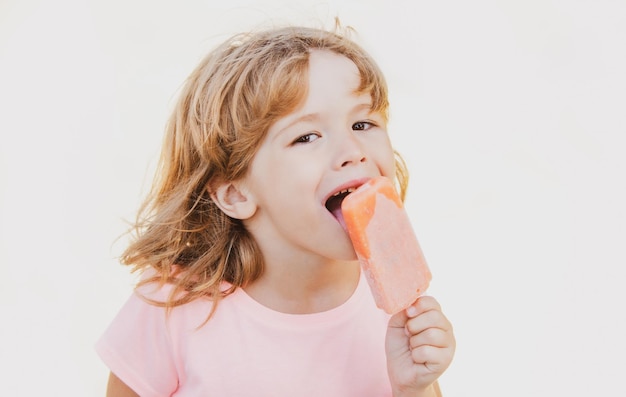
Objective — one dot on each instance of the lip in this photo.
(354, 183)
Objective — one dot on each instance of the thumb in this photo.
(397, 339)
(398, 320)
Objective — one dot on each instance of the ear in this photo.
(234, 200)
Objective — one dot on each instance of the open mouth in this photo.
(333, 204)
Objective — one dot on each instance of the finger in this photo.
(431, 337)
(398, 320)
(434, 360)
(422, 304)
(425, 355)
(429, 319)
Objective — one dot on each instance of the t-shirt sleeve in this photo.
(137, 349)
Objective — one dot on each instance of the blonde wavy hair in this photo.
(222, 115)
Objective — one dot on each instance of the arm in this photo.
(117, 388)
(431, 391)
(437, 389)
(434, 390)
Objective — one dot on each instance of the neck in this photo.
(305, 288)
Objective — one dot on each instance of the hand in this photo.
(420, 345)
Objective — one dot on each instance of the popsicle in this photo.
(386, 246)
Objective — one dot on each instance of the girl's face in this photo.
(331, 143)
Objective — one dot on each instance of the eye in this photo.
(306, 138)
(362, 125)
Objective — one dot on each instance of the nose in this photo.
(349, 151)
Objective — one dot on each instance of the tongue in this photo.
(334, 206)
(339, 215)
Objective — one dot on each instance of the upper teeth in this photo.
(348, 190)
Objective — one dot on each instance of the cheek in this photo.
(387, 160)
(390, 167)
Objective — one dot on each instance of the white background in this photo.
(511, 114)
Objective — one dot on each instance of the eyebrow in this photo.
(310, 117)
(364, 105)
(300, 119)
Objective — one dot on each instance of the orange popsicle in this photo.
(386, 245)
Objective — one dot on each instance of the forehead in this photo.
(352, 71)
(329, 71)
(334, 86)
(333, 92)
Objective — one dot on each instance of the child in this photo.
(250, 285)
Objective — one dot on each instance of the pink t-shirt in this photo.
(247, 349)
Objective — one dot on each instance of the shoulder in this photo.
(146, 345)
(144, 315)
